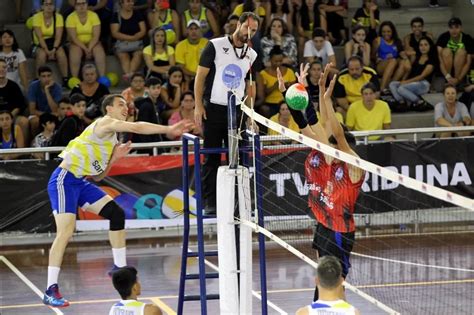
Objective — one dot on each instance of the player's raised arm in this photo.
(317, 132)
(116, 111)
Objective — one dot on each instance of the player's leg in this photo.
(345, 243)
(95, 200)
(63, 195)
(323, 242)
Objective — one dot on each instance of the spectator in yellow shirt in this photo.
(83, 28)
(268, 94)
(48, 30)
(189, 50)
(369, 113)
(284, 118)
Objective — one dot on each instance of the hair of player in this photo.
(329, 272)
(123, 280)
(109, 101)
(351, 140)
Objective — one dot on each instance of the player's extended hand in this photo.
(303, 73)
(179, 128)
(328, 92)
(199, 114)
(121, 150)
(281, 82)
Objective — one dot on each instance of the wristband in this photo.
(299, 118)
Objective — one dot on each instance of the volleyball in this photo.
(297, 97)
(104, 80)
(170, 36)
(113, 78)
(73, 82)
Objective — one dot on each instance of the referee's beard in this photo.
(243, 38)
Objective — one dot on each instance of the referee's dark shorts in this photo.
(330, 243)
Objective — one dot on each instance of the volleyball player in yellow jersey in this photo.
(92, 154)
(329, 281)
(125, 281)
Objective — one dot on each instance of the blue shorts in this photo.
(67, 192)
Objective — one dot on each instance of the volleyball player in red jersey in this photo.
(333, 184)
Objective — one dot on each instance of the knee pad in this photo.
(115, 215)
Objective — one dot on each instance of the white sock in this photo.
(120, 259)
(53, 274)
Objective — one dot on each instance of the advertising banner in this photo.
(149, 188)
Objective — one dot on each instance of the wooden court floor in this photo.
(406, 288)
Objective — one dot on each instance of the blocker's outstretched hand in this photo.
(301, 76)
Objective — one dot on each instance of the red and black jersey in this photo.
(332, 194)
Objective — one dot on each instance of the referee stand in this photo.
(201, 253)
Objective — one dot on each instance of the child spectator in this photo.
(357, 46)
(185, 112)
(73, 125)
(172, 90)
(48, 123)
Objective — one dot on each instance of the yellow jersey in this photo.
(87, 154)
(128, 307)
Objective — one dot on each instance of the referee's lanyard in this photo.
(243, 53)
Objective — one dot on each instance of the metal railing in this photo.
(155, 146)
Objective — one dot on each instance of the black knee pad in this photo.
(115, 214)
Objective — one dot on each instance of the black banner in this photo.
(150, 187)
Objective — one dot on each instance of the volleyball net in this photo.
(409, 255)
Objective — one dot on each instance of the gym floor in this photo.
(407, 289)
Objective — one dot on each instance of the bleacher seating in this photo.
(435, 22)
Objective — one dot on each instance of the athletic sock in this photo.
(53, 274)
(120, 259)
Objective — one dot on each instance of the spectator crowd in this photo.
(158, 49)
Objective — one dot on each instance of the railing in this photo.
(173, 144)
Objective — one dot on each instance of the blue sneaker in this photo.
(53, 298)
(111, 271)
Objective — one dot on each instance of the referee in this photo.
(225, 65)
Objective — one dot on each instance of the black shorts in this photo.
(330, 243)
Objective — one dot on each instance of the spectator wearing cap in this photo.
(167, 18)
(197, 11)
(189, 50)
(454, 49)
